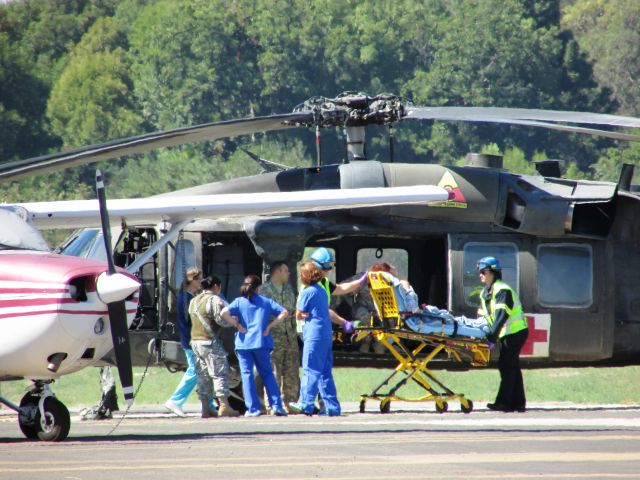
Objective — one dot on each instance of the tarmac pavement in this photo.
(548, 441)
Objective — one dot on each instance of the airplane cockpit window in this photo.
(507, 255)
(565, 275)
(185, 258)
(397, 257)
(86, 243)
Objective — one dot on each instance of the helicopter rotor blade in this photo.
(116, 307)
(150, 141)
(555, 126)
(490, 114)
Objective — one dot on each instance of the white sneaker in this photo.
(174, 408)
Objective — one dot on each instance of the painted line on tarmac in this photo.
(236, 462)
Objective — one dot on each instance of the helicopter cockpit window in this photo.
(397, 257)
(565, 275)
(305, 258)
(506, 253)
(185, 258)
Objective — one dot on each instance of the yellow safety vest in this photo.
(516, 320)
(324, 283)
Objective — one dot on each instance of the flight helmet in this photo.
(488, 263)
(323, 258)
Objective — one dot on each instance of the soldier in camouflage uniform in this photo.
(285, 356)
(212, 365)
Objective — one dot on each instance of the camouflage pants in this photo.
(286, 367)
(212, 369)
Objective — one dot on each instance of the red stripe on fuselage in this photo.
(65, 312)
(26, 302)
(32, 290)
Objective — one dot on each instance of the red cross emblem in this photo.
(537, 335)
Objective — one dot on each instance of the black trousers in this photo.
(511, 392)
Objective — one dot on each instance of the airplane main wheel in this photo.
(27, 416)
(56, 421)
(468, 408)
(385, 406)
(363, 404)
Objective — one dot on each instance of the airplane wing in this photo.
(173, 209)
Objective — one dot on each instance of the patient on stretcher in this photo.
(429, 319)
(436, 321)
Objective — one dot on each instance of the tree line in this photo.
(79, 72)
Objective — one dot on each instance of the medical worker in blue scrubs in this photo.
(193, 275)
(254, 346)
(317, 355)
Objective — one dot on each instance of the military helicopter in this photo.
(569, 247)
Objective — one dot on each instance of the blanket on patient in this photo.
(433, 320)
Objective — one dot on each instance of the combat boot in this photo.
(207, 411)
(225, 409)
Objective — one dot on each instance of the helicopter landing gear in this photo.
(41, 415)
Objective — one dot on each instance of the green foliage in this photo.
(92, 100)
(578, 385)
(608, 166)
(572, 171)
(86, 71)
(35, 38)
(493, 53)
(609, 31)
(48, 187)
(193, 63)
(514, 159)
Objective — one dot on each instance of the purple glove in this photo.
(363, 279)
(347, 327)
(491, 345)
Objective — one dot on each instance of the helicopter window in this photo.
(397, 257)
(565, 275)
(185, 258)
(506, 253)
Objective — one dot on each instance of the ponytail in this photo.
(249, 286)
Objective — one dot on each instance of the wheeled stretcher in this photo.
(391, 329)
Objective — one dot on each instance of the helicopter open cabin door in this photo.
(561, 283)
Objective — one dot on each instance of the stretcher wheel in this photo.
(442, 407)
(468, 408)
(362, 405)
(385, 406)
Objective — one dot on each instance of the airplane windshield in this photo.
(86, 243)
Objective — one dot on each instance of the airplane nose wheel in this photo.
(53, 427)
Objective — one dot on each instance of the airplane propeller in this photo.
(350, 110)
(113, 288)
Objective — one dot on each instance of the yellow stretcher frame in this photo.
(413, 365)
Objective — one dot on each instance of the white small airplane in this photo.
(56, 311)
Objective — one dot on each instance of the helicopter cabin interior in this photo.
(552, 276)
